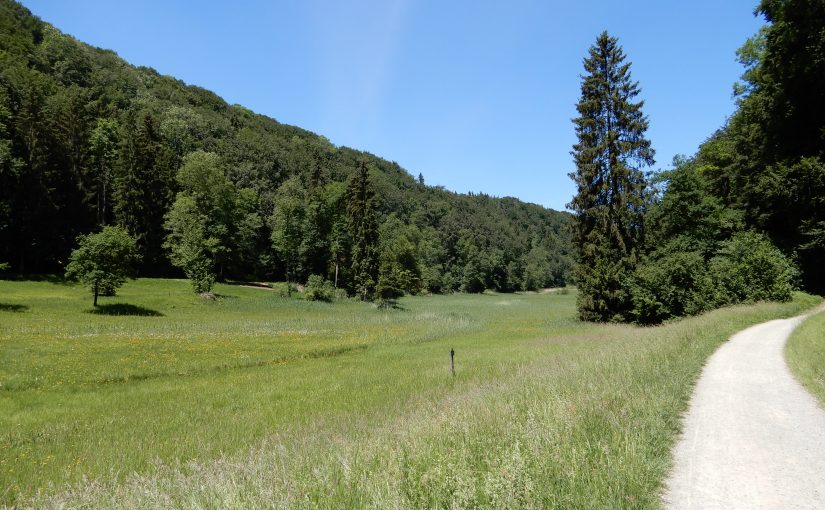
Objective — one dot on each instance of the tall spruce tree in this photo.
(363, 224)
(610, 199)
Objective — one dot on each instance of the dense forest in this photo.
(87, 140)
(742, 220)
(755, 184)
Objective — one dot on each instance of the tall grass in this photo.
(805, 353)
(258, 401)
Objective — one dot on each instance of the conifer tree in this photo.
(610, 199)
(363, 224)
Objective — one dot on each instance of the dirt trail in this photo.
(753, 437)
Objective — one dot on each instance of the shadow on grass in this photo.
(257, 285)
(389, 304)
(6, 307)
(50, 278)
(124, 309)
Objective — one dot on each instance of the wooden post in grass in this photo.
(452, 362)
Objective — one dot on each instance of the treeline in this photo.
(755, 185)
(742, 220)
(87, 140)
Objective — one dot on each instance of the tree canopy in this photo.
(730, 224)
(767, 162)
(103, 260)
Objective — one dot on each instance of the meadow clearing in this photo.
(259, 401)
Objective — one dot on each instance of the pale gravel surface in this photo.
(753, 438)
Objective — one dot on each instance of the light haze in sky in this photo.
(475, 95)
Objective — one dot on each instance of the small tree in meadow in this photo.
(104, 260)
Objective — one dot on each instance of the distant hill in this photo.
(87, 139)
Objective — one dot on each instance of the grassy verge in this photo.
(261, 401)
(805, 354)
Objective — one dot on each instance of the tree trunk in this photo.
(95, 300)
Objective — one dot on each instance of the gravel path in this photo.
(753, 437)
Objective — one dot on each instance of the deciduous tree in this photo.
(103, 260)
(202, 221)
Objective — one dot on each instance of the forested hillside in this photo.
(88, 140)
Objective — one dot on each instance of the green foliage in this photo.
(673, 284)
(103, 261)
(762, 172)
(318, 289)
(363, 226)
(689, 210)
(678, 280)
(610, 197)
(766, 163)
(703, 256)
(472, 277)
(287, 223)
(748, 268)
(190, 247)
(284, 289)
(103, 144)
(398, 272)
(543, 269)
(202, 222)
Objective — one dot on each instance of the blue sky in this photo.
(475, 95)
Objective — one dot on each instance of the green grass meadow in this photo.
(165, 400)
(805, 353)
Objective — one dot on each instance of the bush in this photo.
(672, 285)
(749, 268)
(200, 274)
(283, 289)
(390, 284)
(318, 289)
(676, 282)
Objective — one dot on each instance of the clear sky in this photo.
(476, 95)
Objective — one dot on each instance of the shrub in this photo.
(677, 281)
(749, 268)
(669, 286)
(390, 284)
(200, 274)
(318, 289)
(283, 289)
